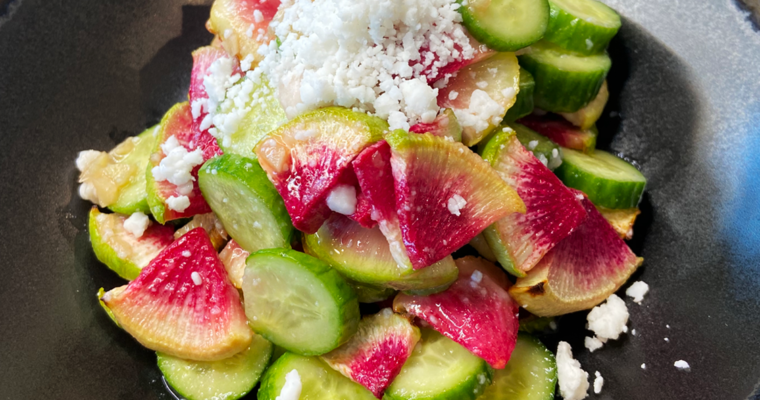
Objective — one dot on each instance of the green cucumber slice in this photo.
(524, 102)
(586, 117)
(227, 379)
(541, 146)
(364, 255)
(134, 196)
(242, 197)
(565, 81)
(265, 114)
(298, 302)
(583, 26)
(440, 369)
(530, 374)
(607, 180)
(318, 381)
(369, 293)
(506, 25)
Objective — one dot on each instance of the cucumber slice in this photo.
(370, 294)
(506, 25)
(264, 116)
(565, 81)
(238, 191)
(440, 369)
(583, 26)
(530, 374)
(586, 117)
(541, 146)
(607, 180)
(227, 379)
(298, 302)
(524, 102)
(364, 255)
(318, 381)
(134, 197)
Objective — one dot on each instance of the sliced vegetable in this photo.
(444, 187)
(119, 249)
(211, 224)
(583, 26)
(108, 311)
(182, 304)
(519, 241)
(562, 132)
(440, 369)
(480, 95)
(531, 373)
(366, 293)
(565, 81)
(608, 181)
(444, 125)
(228, 379)
(306, 158)
(376, 353)
(586, 117)
(317, 380)
(133, 197)
(580, 271)
(506, 25)
(233, 257)
(542, 148)
(243, 25)
(480, 244)
(622, 220)
(524, 102)
(246, 203)
(298, 302)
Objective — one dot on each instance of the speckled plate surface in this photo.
(686, 105)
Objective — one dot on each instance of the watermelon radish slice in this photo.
(469, 264)
(475, 312)
(433, 72)
(480, 95)
(553, 212)
(177, 123)
(443, 187)
(363, 213)
(211, 224)
(375, 175)
(444, 125)
(376, 352)
(308, 156)
(182, 304)
(580, 271)
(562, 132)
(119, 249)
(243, 25)
(233, 258)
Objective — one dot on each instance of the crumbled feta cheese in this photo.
(573, 381)
(455, 204)
(305, 134)
(637, 291)
(186, 253)
(589, 44)
(227, 33)
(633, 332)
(291, 390)
(342, 199)
(350, 54)
(245, 63)
(136, 224)
(178, 204)
(257, 16)
(482, 112)
(453, 95)
(682, 365)
(482, 84)
(86, 157)
(87, 191)
(543, 160)
(598, 382)
(608, 320)
(476, 276)
(196, 277)
(667, 340)
(532, 145)
(593, 343)
(177, 165)
(644, 366)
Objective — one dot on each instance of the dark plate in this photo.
(686, 106)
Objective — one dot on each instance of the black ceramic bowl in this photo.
(685, 104)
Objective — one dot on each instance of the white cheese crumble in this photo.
(177, 165)
(573, 381)
(374, 55)
(291, 390)
(598, 382)
(532, 144)
(593, 343)
(476, 276)
(682, 365)
(178, 203)
(136, 224)
(342, 199)
(608, 320)
(482, 112)
(455, 204)
(186, 253)
(644, 366)
(453, 95)
(637, 291)
(196, 277)
(86, 157)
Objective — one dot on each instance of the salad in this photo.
(334, 153)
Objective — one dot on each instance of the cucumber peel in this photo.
(530, 374)
(506, 25)
(583, 26)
